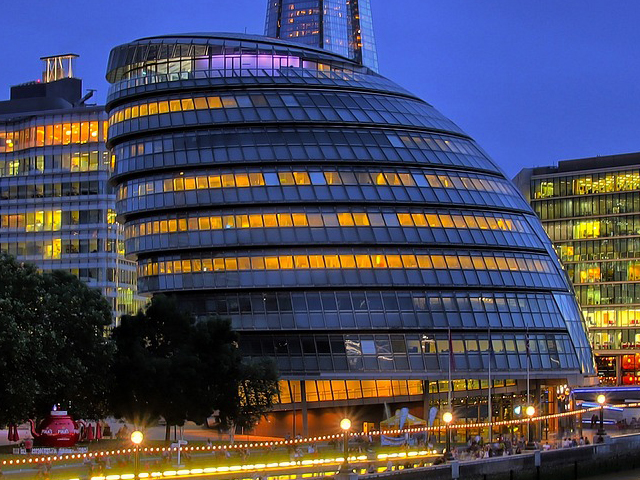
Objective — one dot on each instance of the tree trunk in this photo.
(167, 432)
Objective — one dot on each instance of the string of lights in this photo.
(299, 441)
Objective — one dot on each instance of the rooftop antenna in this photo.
(57, 67)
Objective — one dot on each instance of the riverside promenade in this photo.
(617, 458)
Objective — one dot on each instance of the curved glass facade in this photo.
(344, 225)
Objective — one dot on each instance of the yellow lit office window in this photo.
(491, 263)
(384, 388)
(394, 261)
(286, 178)
(466, 262)
(256, 179)
(285, 395)
(214, 102)
(311, 391)
(215, 181)
(300, 220)
(361, 219)
(316, 261)
(53, 249)
(242, 221)
(270, 220)
(379, 261)
(433, 181)
(163, 107)
(354, 389)
(190, 183)
(369, 389)
(438, 261)
(286, 262)
(242, 180)
(415, 387)
(332, 261)
(405, 219)
(348, 261)
(202, 182)
(433, 220)
(301, 261)
(452, 262)
(393, 179)
(409, 261)
(345, 219)
(271, 263)
(363, 261)
(332, 178)
(187, 104)
(228, 180)
(201, 103)
(339, 389)
(302, 178)
(324, 390)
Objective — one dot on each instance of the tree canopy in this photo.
(53, 347)
(168, 365)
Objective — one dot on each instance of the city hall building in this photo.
(57, 209)
(347, 228)
(590, 208)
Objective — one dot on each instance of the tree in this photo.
(53, 347)
(168, 365)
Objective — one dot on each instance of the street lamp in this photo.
(447, 417)
(530, 411)
(345, 425)
(136, 439)
(601, 399)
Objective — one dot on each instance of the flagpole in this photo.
(528, 355)
(450, 381)
(490, 413)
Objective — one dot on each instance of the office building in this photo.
(344, 27)
(344, 225)
(57, 209)
(590, 208)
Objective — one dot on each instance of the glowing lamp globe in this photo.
(601, 399)
(137, 437)
(345, 424)
(531, 410)
(447, 417)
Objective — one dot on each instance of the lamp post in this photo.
(530, 411)
(136, 439)
(601, 399)
(447, 417)
(345, 425)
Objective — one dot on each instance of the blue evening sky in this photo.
(533, 82)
